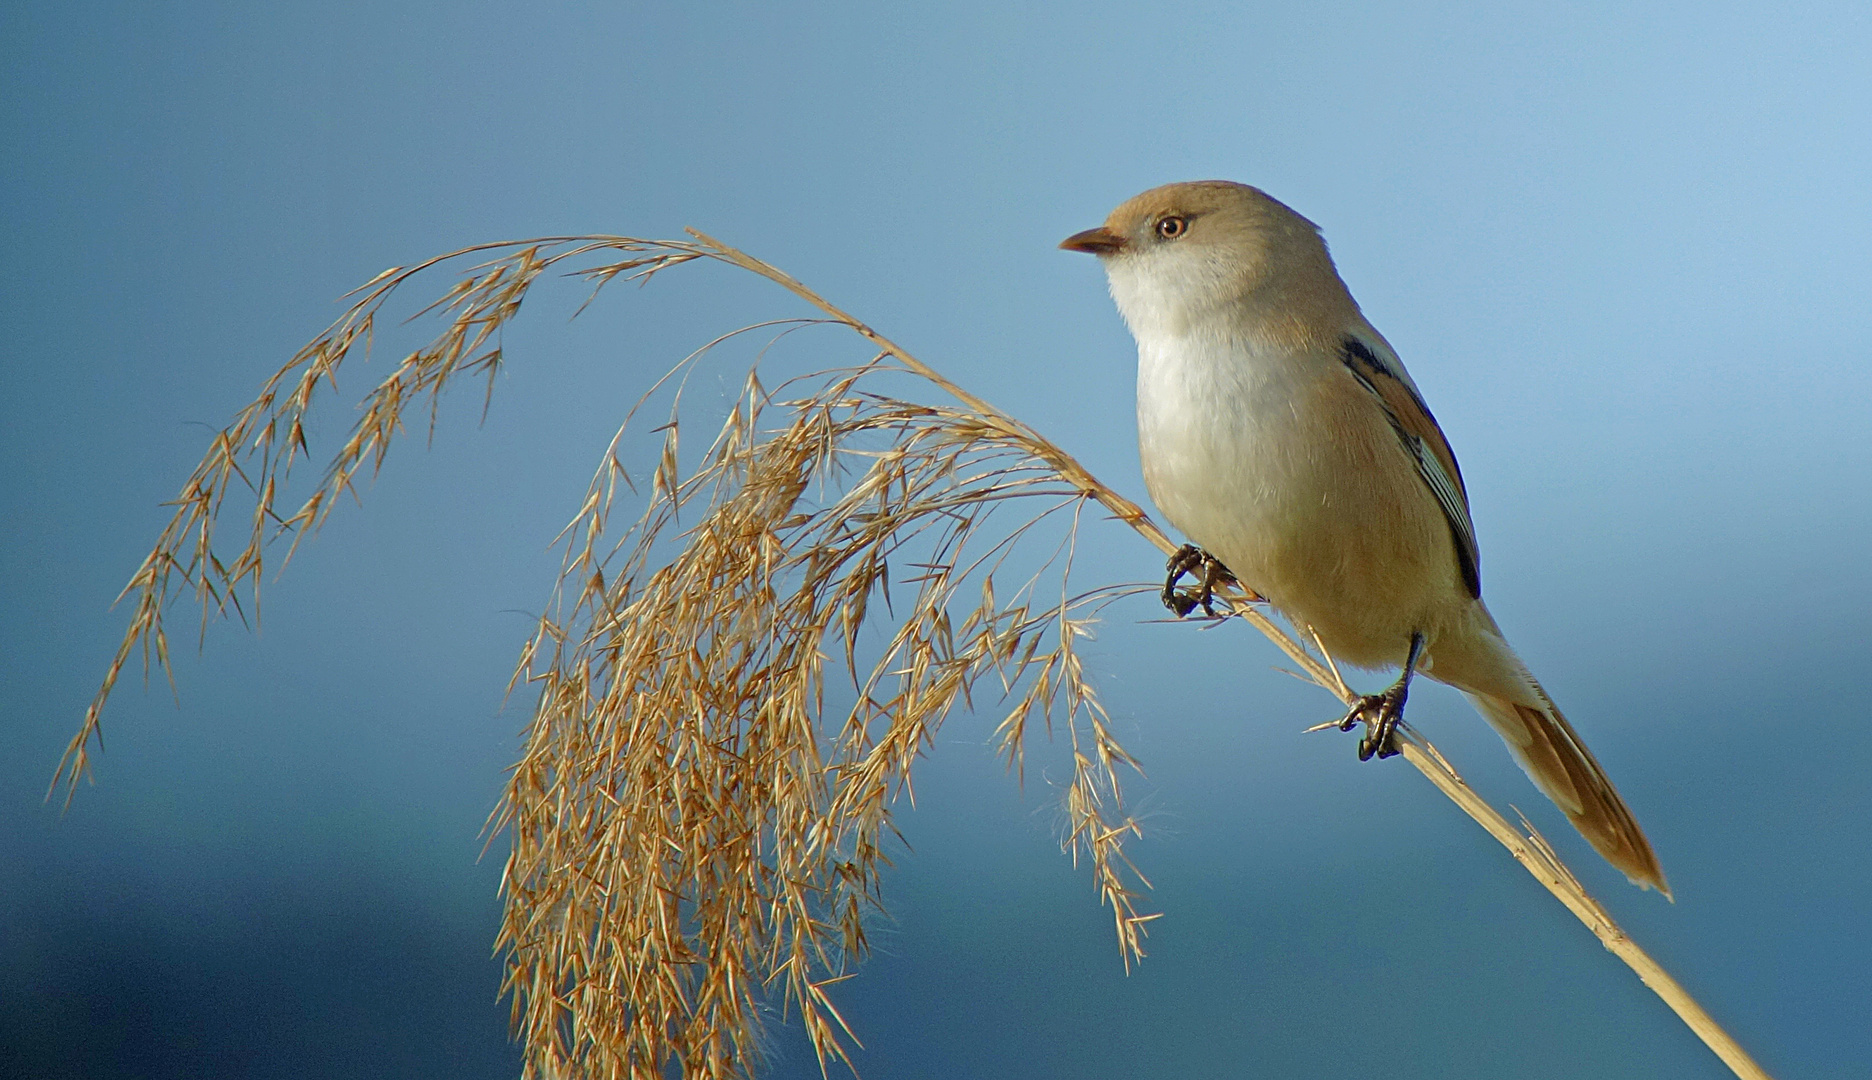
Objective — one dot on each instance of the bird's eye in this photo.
(1172, 227)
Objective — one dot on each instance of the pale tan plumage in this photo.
(1282, 434)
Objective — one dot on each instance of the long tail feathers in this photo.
(1561, 766)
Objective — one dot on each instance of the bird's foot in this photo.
(1209, 573)
(1381, 731)
(1380, 738)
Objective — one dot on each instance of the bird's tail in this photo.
(1560, 765)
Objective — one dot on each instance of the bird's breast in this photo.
(1221, 438)
(1282, 466)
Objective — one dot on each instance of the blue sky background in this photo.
(1626, 250)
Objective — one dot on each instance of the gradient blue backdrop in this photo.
(1625, 248)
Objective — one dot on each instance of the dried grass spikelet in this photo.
(699, 818)
(691, 821)
(695, 830)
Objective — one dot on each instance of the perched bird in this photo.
(1281, 434)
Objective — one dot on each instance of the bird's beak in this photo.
(1099, 241)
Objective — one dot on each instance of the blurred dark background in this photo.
(1626, 250)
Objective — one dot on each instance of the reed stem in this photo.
(679, 753)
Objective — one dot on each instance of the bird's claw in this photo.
(1190, 559)
(1380, 738)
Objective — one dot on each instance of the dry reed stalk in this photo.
(693, 827)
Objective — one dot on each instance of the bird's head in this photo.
(1182, 252)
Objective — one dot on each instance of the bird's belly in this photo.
(1303, 498)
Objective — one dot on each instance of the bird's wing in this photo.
(1424, 441)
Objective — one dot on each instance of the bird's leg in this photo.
(1192, 559)
(1381, 739)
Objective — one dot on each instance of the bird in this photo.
(1282, 436)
